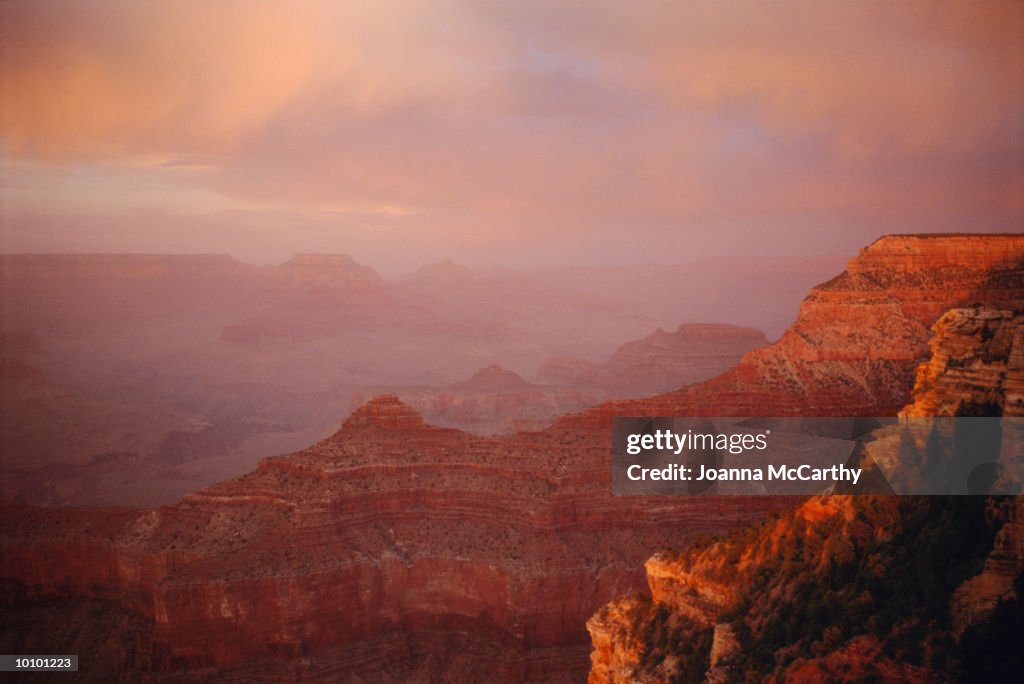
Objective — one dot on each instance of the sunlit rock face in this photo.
(715, 603)
(976, 363)
(859, 337)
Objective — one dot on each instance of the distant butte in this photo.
(494, 378)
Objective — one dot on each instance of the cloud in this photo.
(501, 124)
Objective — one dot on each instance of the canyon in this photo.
(395, 550)
(161, 374)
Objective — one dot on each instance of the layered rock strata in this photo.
(725, 589)
(859, 337)
(398, 551)
(391, 534)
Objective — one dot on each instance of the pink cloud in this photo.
(514, 126)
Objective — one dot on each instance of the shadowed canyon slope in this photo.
(398, 551)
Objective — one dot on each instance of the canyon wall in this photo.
(722, 611)
(843, 588)
(977, 362)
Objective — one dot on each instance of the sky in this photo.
(506, 133)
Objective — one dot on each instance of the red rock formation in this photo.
(974, 362)
(395, 550)
(494, 378)
(973, 370)
(388, 530)
(693, 351)
(813, 596)
(859, 337)
(977, 359)
(496, 401)
(977, 365)
(329, 270)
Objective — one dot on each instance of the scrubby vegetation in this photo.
(887, 574)
(992, 651)
(673, 647)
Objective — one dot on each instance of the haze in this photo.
(507, 134)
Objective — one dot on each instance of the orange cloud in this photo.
(110, 78)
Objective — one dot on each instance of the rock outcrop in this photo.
(724, 611)
(973, 371)
(859, 337)
(976, 364)
(840, 589)
(977, 368)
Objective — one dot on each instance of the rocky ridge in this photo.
(492, 401)
(391, 532)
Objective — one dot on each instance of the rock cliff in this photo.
(976, 364)
(859, 337)
(840, 589)
(847, 588)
